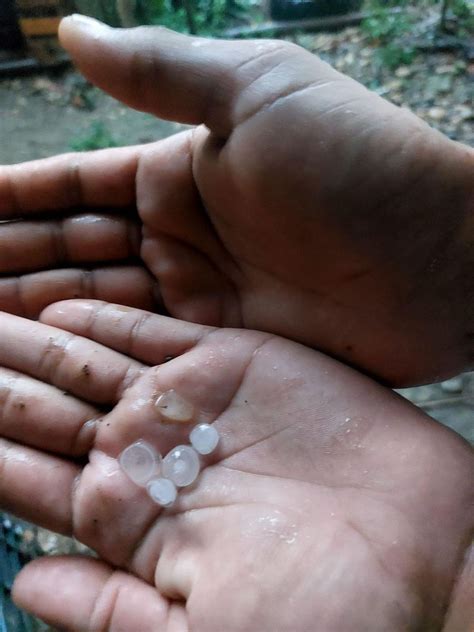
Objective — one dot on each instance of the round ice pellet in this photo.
(204, 438)
(181, 465)
(162, 491)
(140, 462)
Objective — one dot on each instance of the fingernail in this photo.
(86, 22)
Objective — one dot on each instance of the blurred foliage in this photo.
(388, 30)
(98, 137)
(392, 31)
(463, 12)
(196, 16)
(103, 9)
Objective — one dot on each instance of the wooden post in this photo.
(39, 21)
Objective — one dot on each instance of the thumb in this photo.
(186, 79)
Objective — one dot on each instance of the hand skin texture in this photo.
(304, 205)
(331, 505)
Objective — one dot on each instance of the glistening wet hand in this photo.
(330, 503)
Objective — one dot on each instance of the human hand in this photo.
(331, 504)
(308, 206)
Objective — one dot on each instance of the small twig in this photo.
(26, 65)
(446, 401)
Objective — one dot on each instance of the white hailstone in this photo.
(173, 407)
(204, 438)
(140, 462)
(181, 465)
(162, 491)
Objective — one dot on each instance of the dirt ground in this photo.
(45, 114)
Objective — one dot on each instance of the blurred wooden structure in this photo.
(39, 21)
(28, 29)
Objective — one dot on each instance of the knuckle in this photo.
(74, 178)
(54, 355)
(102, 613)
(8, 394)
(87, 284)
(83, 440)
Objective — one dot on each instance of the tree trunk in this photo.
(188, 7)
(210, 12)
(126, 10)
(100, 9)
(444, 11)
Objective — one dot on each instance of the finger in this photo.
(192, 287)
(103, 178)
(173, 206)
(41, 416)
(186, 79)
(86, 595)
(27, 295)
(180, 245)
(71, 363)
(36, 486)
(147, 337)
(44, 244)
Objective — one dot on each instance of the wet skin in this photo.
(305, 206)
(331, 503)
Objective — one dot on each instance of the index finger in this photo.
(103, 179)
(71, 363)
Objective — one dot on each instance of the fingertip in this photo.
(35, 579)
(48, 587)
(71, 311)
(80, 35)
(24, 583)
(81, 24)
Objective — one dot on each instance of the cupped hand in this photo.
(306, 206)
(331, 504)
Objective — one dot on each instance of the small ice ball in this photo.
(204, 438)
(162, 491)
(173, 407)
(181, 465)
(140, 462)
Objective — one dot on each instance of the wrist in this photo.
(448, 194)
(460, 615)
(459, 192)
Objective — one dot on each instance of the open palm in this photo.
(308, 206)
(331, 504)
